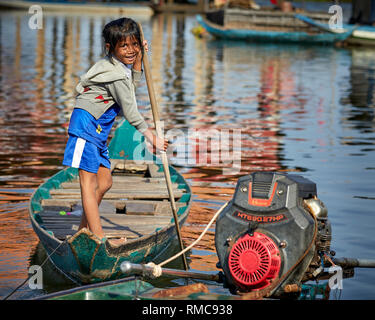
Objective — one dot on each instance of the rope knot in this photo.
(156, 271)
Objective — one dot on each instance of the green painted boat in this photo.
(137, 207)
(129, 288)
(132, 288)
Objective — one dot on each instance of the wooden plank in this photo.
(128, 165)
(130, 220)
(121, 184)
(123, 219)
(115, 162)
(269, 19)
(135, 230)
(140, 209)
(154, 171)
(129, 178)
(164, 208)
(115, 217)
(147, 194)
(118, 194)
(68, 203)
(121, 179)
(63, 233)
(118, 186)
(60, 219)
(145, 229)
(160, 207)
(136, 167)
(52, 227)
(129, 232)
(106, 207)
(277, 14)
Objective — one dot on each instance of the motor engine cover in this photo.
(267, 205)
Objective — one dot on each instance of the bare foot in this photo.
(117, 242)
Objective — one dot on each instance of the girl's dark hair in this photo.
(118, 30)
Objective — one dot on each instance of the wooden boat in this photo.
(270, 26)
(136, 207)
(132, 288)
(362, 35)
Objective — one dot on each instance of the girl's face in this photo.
(127, 50)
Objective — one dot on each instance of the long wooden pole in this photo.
(155, 113)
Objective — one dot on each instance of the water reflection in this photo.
(306, 109)
(360, 101)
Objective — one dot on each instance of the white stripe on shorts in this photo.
(78, 150)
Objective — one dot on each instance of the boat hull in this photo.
(84, 258)
(363, 36)
(274, 34)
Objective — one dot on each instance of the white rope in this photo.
(195, 242)
(156, 270)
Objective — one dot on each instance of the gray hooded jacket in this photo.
(107, 83)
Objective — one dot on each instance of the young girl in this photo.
(107, 88)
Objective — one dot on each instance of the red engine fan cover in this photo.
(254, 261)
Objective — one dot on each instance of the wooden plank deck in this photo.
(130, 226)
(136, 205)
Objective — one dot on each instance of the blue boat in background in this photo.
(363, 36)
(272, 26)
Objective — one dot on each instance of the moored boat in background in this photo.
(271, 26)
(362, 36)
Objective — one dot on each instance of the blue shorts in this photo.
(83, 154)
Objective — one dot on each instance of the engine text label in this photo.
(260, 219)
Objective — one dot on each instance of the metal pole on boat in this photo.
(354, 263)
(129, 269)
(155, 113)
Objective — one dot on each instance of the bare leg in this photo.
(91, 218)
(104, 180)
(84, 223)
(93, 188)
(102, 184)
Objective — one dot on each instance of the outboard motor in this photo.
(272, 235)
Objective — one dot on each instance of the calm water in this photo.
(298, 108)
